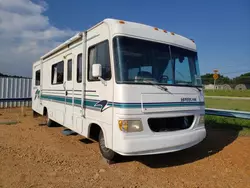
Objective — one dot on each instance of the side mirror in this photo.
(97, 70)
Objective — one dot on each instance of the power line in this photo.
(224, 73)
(232, 65)
(243, 71)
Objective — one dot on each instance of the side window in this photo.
(99, 54)
(69, 70)
(57, 73)
(79, 68)
(37, 83)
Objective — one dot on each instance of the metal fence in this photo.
(15, 92)
(228, 113)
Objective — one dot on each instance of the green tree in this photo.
(242, 79)
(208, 79)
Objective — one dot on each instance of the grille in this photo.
(170, 123)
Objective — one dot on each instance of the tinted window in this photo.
(37, 78)
(69, 70)
(79, 68)
(99, 54)
(57, 73)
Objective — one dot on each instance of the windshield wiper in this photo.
(198, 88)
(191, 85)
(158, 86)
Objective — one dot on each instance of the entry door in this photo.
(36, 91)
(69, 91)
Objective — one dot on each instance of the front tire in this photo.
(106, 152)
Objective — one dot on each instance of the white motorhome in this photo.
(134, 88)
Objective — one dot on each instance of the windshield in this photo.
(140, 62)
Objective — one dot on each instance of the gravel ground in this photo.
(38, 156)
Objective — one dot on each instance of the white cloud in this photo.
(25, 35)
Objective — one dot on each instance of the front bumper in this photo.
(160, 143)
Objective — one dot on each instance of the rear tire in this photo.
(49, 122)
(35, 114)
(106, 152)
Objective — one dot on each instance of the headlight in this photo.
(202, 119)
(130, 125)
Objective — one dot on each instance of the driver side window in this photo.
(99, 54)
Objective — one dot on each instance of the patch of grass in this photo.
(229, 93)
(229, 104)
(240, 125)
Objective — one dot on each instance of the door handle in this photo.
(66, 93)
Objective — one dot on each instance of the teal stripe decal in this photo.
(155, 105)
(91, 103)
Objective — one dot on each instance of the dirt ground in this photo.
(32, 155)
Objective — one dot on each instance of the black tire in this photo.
(35, 114)
(49, 122)
(106, 152)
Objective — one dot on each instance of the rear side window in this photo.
(99, 54)
(37, 81)
(57, 73)
(69, 70)
(79, 68)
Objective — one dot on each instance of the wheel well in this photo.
(94, 131)
(45, 111)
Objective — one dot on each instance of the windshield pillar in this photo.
(120, 66)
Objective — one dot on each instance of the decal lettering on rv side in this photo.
(37, 94)
(188, 100)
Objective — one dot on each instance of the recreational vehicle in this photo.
(134, 88)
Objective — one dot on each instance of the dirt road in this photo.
(38, 156)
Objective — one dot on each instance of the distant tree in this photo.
(242, 79)
(224, 80)
(5, 75)
(208, 79)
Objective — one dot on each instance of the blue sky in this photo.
(220, 28)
